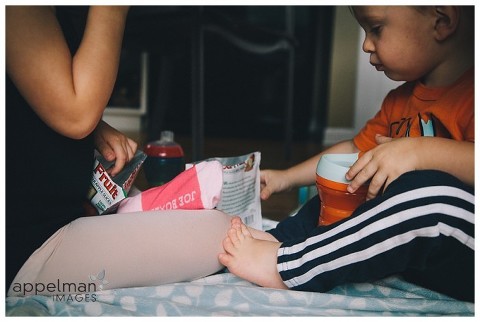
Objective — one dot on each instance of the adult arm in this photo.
(69, 93)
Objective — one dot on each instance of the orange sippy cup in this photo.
(336, 202)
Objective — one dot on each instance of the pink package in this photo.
(199, 187)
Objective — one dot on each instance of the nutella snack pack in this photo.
(106, 192)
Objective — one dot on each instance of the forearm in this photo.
(95, 64)
(303, 174)
(454, 157)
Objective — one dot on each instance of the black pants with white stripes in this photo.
(421, 227)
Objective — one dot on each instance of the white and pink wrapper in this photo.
(199, 187)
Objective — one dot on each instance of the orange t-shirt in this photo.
(413, 110)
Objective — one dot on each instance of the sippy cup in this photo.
(165, 160)
(336, 202)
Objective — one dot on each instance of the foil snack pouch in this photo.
(106, 192)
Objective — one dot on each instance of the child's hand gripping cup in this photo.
(336, 202)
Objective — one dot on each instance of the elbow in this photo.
(71, 117)
(78, 135)
(80, 130)
(80, 120)
(76, 128)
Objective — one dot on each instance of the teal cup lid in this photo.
(334, 166)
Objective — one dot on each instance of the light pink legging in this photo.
(125, 250)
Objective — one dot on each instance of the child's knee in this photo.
(423, 178)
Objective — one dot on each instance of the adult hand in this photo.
(383, 164)
(114, 145)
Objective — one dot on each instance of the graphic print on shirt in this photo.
(421, 125)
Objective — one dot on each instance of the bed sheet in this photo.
(227, 295)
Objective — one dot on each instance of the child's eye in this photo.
(376, 30)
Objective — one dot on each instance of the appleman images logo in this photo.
(100, 277)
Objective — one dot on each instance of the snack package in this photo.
(106, 192)
(198, 187)
(240, 193)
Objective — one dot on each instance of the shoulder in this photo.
(398, 96)
(402, 91)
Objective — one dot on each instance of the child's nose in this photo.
(368, 45)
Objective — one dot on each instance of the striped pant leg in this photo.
(301, 224)
(422, 227)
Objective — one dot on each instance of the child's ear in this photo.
(446, 23)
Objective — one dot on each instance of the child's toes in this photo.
(245, 232)
(236, 222)
(228, 245)
(233, 235)
(240, 235)
(225, 259)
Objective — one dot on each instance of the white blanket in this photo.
(226, 295)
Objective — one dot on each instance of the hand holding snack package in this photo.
(106, 192)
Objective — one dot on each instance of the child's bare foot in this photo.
(257, 234)
(252, 259)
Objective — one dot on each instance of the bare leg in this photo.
(257, 234)
(252, 259)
